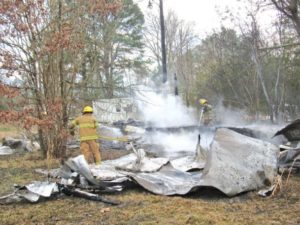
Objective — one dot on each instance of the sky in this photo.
(203, 13)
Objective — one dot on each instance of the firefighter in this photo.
(88, 135)
(206, 112)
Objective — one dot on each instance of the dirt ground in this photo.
(137, 206)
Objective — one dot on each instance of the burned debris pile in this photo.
(232, 163)
(289, 158)
(12, 145)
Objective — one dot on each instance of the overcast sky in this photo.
(202, 12)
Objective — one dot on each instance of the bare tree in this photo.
(290, 8)
(41, 41)
(180, 40)
(263, 61)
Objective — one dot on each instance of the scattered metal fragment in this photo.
(6, 150)
(37, 190)
(266, 192)
(44, 189)
(32, 192)
(84, 194)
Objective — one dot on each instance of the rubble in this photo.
(232, 163)
(37, 191)
(235, 164)
(290, 155)
(10, 145)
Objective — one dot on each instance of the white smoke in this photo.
(225, 116)
(164, 110)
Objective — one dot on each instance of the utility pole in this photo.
(162, 39)
(175, 85)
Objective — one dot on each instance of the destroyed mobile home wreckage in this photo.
(237, 160)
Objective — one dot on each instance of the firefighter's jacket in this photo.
(87, 127)
(207, 112)
(207, 108)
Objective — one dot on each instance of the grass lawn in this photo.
(141, 207)
(7, 130)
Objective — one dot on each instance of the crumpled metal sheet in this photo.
(291, 131)
(37, 190)
(5, 150)
(134, 162)
(167, 181)
(32, 192)
(107, 169)
(234, 164)
(262, 132)
(141, 163)
(147, 165)
(189, 163)
(289, 158)
(80, 165)
(77, 173)
(44, 189)
(106, 172)
(237, 163)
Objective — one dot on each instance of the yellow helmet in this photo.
(202, 101)
(87, 109)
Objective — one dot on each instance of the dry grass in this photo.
(205, 207)
(141, 207)
(7, 130)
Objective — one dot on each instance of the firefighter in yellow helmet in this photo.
(206, 112)
(87, 124)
